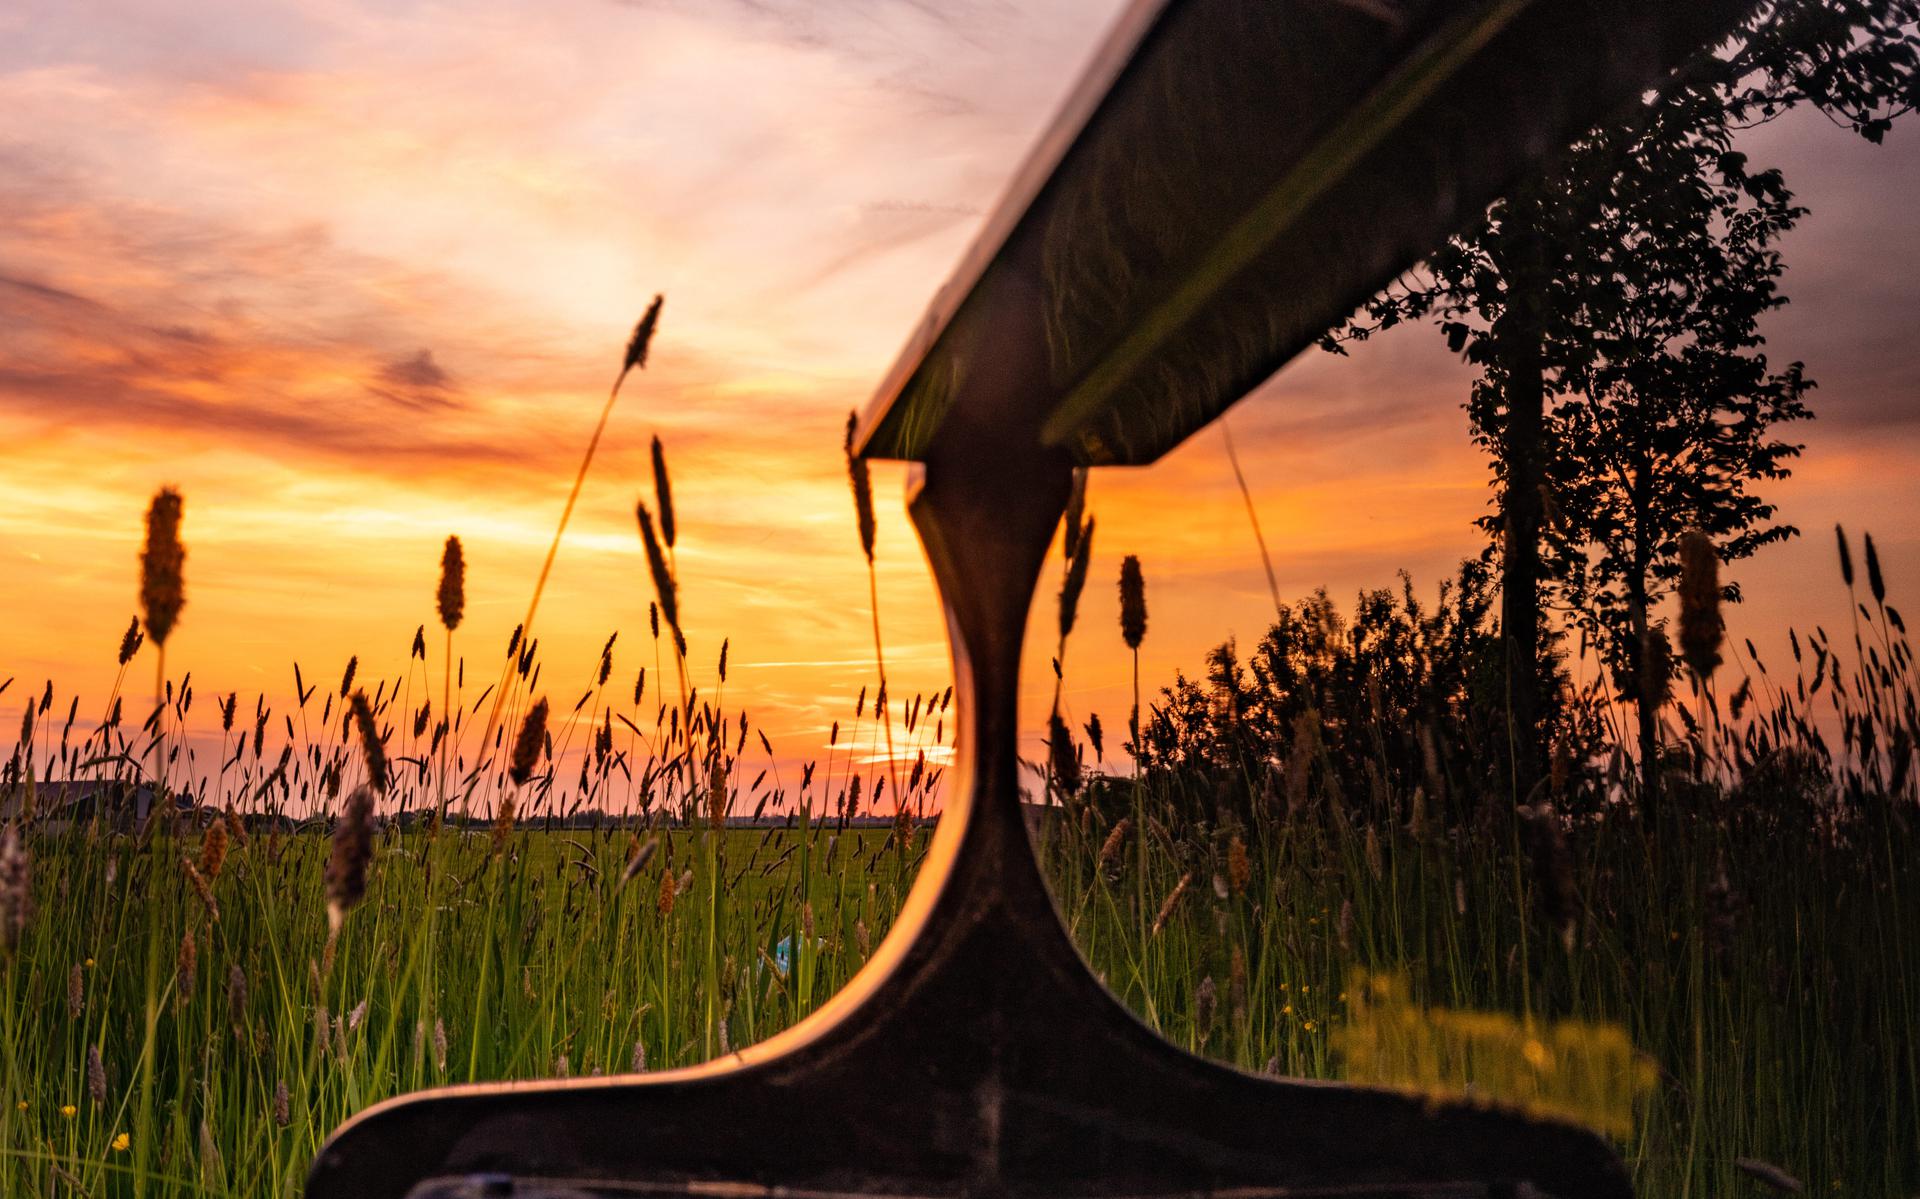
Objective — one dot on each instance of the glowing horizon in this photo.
(356, 278)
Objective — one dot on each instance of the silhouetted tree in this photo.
(1666, 404)
(1504, 297)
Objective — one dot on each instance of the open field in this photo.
(1777, 999)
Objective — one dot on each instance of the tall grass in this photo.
(1302, 841)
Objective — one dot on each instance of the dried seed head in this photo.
(502, 824)
(184, 966)
(862, 483)
(642, 338)
(200, 887)
(1076, 579)
(663, 902)
(76, 991)
(1846, 555)
(453, 584)
(439, 1044)
(1133, 602)
(1076, 508)
(346, 676)
(1170, 903)
(1111, 847)
(663, 584)
(213, 850)
(282, 1104)
(1063, 755)
(1656, 667)
(96, 1077)
(527, 746)
(237, 997)
(370, 743)
(1204, 999)
(162, 584)
(637, 1064)
(663, 492)
(1700, 624)
(1875, 583)
(130, 641)
(637, 861)
(1239, 866)
(346, 875)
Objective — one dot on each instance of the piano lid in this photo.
(1229, 180)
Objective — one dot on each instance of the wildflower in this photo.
(121, 1142)
(1537, 1055)
(69, 1111)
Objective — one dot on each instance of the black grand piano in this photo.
(1228, 181)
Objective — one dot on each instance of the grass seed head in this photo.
(162, 583)
(862, 482)
(642, 339)
(1876, 584)
(663, 492)
(96, 1077)
(663, 584)
(213, 850)
(452, 596)
(346, 875)
(1076, 579)
(1701, 626)
(527, 746)
(370, 743)
(185, 964)
(130, 641)
(1133, 602)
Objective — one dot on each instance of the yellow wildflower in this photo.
(121, 1142)
(1536, 1055)
(69, 1111)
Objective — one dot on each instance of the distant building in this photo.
(62, 803)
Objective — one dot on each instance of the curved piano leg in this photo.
(976, 1054)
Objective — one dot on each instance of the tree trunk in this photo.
(1520, 337)
(1650, 692)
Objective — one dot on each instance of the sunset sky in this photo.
(356, 276)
